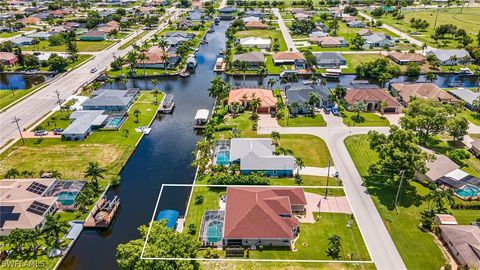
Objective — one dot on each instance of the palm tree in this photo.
(235, 107)
(314, 79)
(56, 174)
(299, 164)
(255, 103)
(110, 81)
(32, 237)
(476, 73)
(382, 105)
(142, 57)
(137, 113)
(275, 135)
(284, 81)
(313, 99)
(295, 107)
(132, 60)
(271, 83)
(359, 107)
(262, 72)
(94, 171)
(52, 229)
(155, 93)
(16, 239)
(26, 173)
(12, 173)
(164, 59)
(430, 76)
(242, 66)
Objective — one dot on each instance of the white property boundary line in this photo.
(235, 260)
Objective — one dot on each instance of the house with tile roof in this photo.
(289, 58)
(373, 97)
(402, 58)
(255, 25)
(155, 59)
(406, 91)
(328, 42)
(8, 58)
(257, 216)
(243, 96)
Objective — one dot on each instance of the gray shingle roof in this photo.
(301, 93)
(444, 55)
(84, 120)
(250, 57)
(328, 58)
(110, 98)
(465, 94)
(257, 154)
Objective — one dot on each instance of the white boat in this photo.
(201, 119)
(168, 104)
(144, 130)
(332, 73)
(465, 71)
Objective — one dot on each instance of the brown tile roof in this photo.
(266, 96)
(466, 241)
(332, 41)
(30, 20)
(374, 94)
(422, 90)
(7, 56)
(412, 57)
(256, 24)
(254, 212)
(288, 56)
(154, 56)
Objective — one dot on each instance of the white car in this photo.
(41, 133)
(93, 70)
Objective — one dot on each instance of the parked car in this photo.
(93, 70)
(335, 112)
(40, 132)
(273, 113)
(326, 110)
(57, 131)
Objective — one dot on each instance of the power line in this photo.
(15, 120)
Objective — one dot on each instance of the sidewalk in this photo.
(317, 171)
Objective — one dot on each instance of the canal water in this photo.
(19, 81)
(164, 156)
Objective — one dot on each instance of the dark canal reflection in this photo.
(17, 81)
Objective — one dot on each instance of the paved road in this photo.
(286, 34)
(42, 102)
(396, 31)
(378, 241)
(19, 35)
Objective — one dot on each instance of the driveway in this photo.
(317, 171)
(393, 118)
(31, 134)
(328, 205)
(266, 121)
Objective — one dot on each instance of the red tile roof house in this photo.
(244, 95)
(7, 58)
(262, 216)
(328, 42)
(405, 58)
(255, 25)
(292, 58)
(406, 91)
(372, 98)
(154, 59)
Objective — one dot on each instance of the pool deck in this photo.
(180, 224)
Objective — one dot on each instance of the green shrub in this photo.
(458, 156)
(239, 179)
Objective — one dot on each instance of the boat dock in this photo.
(103, 213)
(168, 104)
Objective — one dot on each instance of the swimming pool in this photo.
(468, 191)
(114, 123)
(214, 231)
(223, 158)
(67, 198)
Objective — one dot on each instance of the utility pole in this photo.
(328, 176)
(15, 120)
(436, 18)
(398, 190)
(58, 98)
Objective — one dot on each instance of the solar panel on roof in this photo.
(37, 188)
(37, 208)
(7, 215)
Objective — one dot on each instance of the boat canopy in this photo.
(202, 114)
(171, 216)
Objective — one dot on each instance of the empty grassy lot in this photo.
(469, 20)
(110, 148)
(366, 119)
(303, 121)
(83, 46)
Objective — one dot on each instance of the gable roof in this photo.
(440, 166)
(254, 212)
(372, 94)
(254, 41)
(84, 120)
(413, 57)
(111, 98)
(154, 55)
(255, 24)
(94, 33)
(328, 57)
(466, 241)
(422, 90)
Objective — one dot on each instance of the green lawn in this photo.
(133, 40)
(366, 119)
(353, 60)
(308, 180)
(303, 121)
(110, 148)
(83, 46)
(475, 136)
(242, 265)
(467, 20)
(272, 68)
(473, 117)
(313, 241)
(211, 197)
(268, 34)
(9, 34)
(403, 228)
(7, 97)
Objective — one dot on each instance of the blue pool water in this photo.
(223, 158)
(468, 191)
(67, 198)
(214, 231)
(115, 122)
